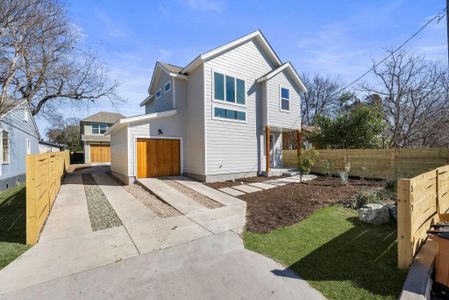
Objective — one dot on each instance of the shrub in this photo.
(344, 175)
(371, 195)
(326, 168)
(306, 161)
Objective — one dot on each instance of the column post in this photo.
(298, 142)
(267, 148)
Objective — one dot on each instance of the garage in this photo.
(100, 153)
(158, 157)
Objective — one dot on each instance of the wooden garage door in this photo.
(100, 153)
(158, 157)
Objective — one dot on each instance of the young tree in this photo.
(414, 96)
(66, 132)
(40, 57)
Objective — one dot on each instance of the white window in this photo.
(229, 89)
(167, 87)
(285, 99)
(5, 147)
(28, 146)
(99, 128)
(158, 94)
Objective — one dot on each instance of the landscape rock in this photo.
(374, 213)
(393, 209)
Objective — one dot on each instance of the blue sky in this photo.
(339, 38)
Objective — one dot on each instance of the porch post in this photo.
(267, 148)
(298, 142)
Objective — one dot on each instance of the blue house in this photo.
(19, 136)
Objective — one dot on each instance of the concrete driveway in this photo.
(196, 255)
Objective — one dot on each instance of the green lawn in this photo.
(12, 224)
(337, 254)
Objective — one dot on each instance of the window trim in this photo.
(226, 119)
(280, 99)
(6, 162)
(99, 128)
(224, 87)
(155, 94)
(169, 89)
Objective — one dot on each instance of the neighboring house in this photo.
(19, 136)
(220, 117)
(96, 144)
(45, 147)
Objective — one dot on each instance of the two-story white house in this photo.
(220, 117)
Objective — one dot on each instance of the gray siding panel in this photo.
(233, 147)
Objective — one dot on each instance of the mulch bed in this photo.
(230, 183)
(286, 205)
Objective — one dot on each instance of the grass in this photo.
(12, 224)
(337, 254)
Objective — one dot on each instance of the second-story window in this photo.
(158, 94)
(99, 128)
(285, 99)
(229, 88)
(167, 87)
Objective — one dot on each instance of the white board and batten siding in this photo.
(231, 147)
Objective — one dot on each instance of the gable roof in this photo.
(171, 68)
(10, 105)
(285, 67)
(226, 47)
(104, 117)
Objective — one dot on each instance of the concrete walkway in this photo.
(243, 189)
(192, 256)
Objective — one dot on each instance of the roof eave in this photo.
(140, 118)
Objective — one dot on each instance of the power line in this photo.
(439, 16)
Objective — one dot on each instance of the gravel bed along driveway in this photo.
(101, 213)
(159, 207)
(200, 198)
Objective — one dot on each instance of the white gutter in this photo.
(146, 117)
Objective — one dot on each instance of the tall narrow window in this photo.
(158, 94)
(5, 142)
(218, 86)
(240, 91)
(230, 89)
(285, 99)
(167, 87)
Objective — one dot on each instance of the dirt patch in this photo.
(230, 183)
(286, 205)
(159, 207)
(200, 198)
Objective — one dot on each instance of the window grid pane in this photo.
(218, 86)
(285, 104)
(230, 89)
(229, 114)
(240, 91)
(285, 93)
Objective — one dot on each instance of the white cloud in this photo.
(111, 29)
(164, 54)
(204, 5)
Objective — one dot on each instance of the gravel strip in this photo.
(194, 195)
(101, 213)
(159, 207)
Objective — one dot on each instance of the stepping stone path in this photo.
(242, 189)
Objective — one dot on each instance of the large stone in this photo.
(393, 209)
(374, 213)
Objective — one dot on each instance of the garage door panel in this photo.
(158, 157)
(100, 153)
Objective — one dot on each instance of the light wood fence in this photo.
(44, 174)
(422, 201)
(376, 163)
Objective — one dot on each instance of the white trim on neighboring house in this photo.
(181, 150)
(288, 67)
(219, 50)
(28, 146)
(160, 95)
(280, 99)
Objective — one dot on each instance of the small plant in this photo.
(326, 168)
(371, 195)
(363, 171)
(344, 175)
(305, 162)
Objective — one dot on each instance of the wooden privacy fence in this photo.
(422, 201)
(44, 174)
(376, 163)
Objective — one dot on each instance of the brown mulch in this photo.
(286, 205)
(230, 183)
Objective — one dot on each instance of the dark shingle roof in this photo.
(104, 117)
(171, 68)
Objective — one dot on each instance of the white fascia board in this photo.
(217, 51)
(287, 66)
(154, 79)
(141, 118)
(147, 99)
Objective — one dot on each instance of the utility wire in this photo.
(439, 16)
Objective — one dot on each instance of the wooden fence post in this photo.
(404, 200)
(31, 215)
